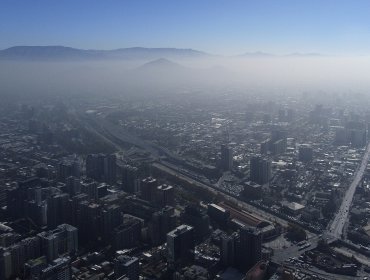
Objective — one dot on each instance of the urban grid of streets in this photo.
(334, 231)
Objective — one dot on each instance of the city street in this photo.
(335, 229)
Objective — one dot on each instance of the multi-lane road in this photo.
(116, 136)
(335, 229)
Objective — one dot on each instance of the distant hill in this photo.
(162, 64)
(67, 53)
(163, 68)
(165, 71)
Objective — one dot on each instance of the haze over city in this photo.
(184, 140)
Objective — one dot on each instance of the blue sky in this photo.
(215, 26)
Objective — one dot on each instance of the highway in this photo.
(335, 229)
(116, 136)
(169, 168)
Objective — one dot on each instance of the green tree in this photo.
(296, 233)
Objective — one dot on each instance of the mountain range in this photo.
(60, 53)
(67, 53)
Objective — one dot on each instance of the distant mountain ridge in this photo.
(58, 53)
(264, 54)
(68, 53)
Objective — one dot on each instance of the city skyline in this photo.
(212, 139)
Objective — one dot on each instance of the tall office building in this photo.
(68, 168)
(196, 217)
(260, 170)
(63, 239)
(228, 250)
(73, 206)
(353, 133)
(128, 234)
(13, 258)
(17, 258)
(265, 147)
(148, 189)
(102, 167)
(165, 195)
(249, 248)
(126, 266)
(73, 185)
(90, 188)
(7, 264)
(278, 147)
(17, 196)
(2, 264)
(180, 245)
(110, 169)
(276, 144)
(57, 209)
(278, 141)
(226, 158)
(110, 218)
(37, 212)
(242, 249)
(95, 166)
(130, 179)
(162, 222)
(31, 247)
(88, 217)
(218, 214)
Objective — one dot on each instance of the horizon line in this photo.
(246, 53)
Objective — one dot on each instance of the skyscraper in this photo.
(110, 218)
(110, 169)
(130, 179)
(128, 234)
(148, 189)
(260, 170)
(226, 158)
(249, 248)
(165, 195)
(57, 210)
(228, 249)
(95, 166)
(68, 168)
(102, 167)
(196, 217)
(180, 245)
(162, 222)
(2, 264)
(63, 239)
